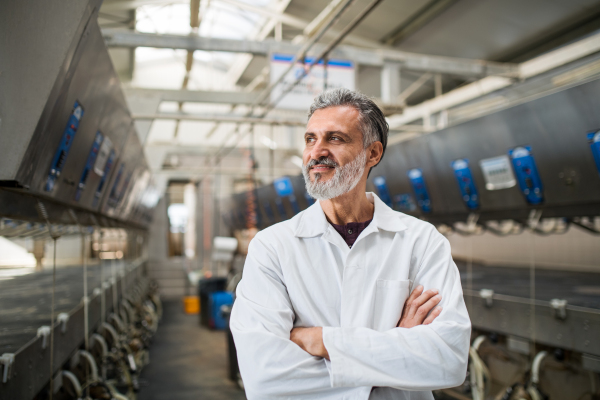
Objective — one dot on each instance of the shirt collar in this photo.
(314, 223)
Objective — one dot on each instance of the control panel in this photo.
(497, 173)
(527, 174)
(405, 202)
(102, 158)
(105, 174)
(60, 157)
(382, 190)
(467, 187)
(594, 140)
(417, 182)
(89, 164)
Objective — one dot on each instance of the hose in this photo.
(478, 371)
(532, 389)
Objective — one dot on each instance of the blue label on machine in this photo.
(269, 211)
(280, 207)
(295, 205)
(107, 168)
(60, 157)
(283, 186)
(594, 140)
(527, 174)
(467, 187)
(89, 164)
(309, 199)
(382, 190)
(405, 202)
(418, 184)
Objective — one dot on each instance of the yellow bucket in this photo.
(191, 304)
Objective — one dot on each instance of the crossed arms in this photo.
(421, 308)
(278, 361)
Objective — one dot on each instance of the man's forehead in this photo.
(338, 118)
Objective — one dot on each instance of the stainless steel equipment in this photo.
(66, 134)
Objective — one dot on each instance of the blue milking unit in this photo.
(594, 140)
(89, 164)
(284, 188)
(418, 184)
(468, 190)
(405, 202)
(382, 190)
(527, 174)
(60, 157)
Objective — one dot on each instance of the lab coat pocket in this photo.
(389, 301)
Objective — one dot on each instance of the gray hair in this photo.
(372, 122)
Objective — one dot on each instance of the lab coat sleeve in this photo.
(271, 365)
(425, 357)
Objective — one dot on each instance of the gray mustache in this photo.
(322, 161)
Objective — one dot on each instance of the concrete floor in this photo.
(187, 361)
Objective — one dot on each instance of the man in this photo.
(320, 312)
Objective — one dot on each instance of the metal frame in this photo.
(29, 372)
(576, 331)
(376, 57)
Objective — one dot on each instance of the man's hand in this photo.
(310, 340)
(418, 305)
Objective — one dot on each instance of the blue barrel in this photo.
(216, 301)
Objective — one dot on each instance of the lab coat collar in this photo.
(314, 223)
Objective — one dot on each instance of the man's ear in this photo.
(374, 154)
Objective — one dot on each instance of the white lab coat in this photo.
(300, 272)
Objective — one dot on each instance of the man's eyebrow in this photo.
(346, 136)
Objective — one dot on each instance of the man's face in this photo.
(332, 133)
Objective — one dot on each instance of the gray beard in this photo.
(343, 180)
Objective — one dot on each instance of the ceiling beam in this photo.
(373, 57)
(232, 118)
(194, 96)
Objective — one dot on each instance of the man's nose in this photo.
(320, 149)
